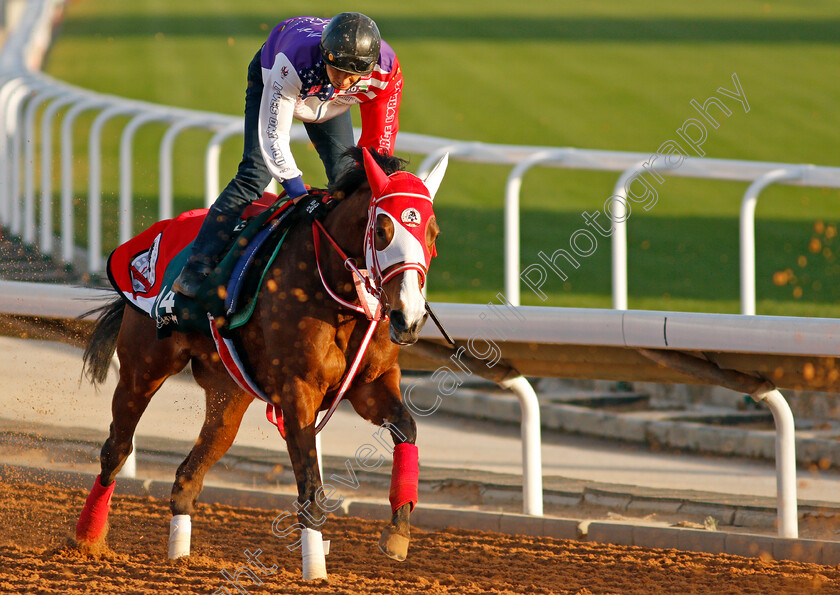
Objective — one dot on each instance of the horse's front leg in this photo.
(300, 405)
(380, 402)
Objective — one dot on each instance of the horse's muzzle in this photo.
(401, 332)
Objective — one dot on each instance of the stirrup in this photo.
(189, 281)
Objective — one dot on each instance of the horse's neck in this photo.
(346, 224)
(344, 227)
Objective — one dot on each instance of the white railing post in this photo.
(319, 448)
(429, 161)
(7, 125)
(129, 468)
(82, 104)
(211, 160)
(513, 189)
(126, 206)
(29, 163)
(746, 224)
(46, 171)
(95, 184)
(619, 241)
(785, 461)
(165, 210)
(13, 115)
(619, 235)
(532, 485)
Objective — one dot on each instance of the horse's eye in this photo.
(380, 233)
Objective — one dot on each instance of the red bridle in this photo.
(407, 250)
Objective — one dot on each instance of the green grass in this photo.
(605, 75)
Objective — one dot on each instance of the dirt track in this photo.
(35, 557)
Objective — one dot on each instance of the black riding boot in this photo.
(212, 238)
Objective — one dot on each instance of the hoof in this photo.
(393, 545)
(91, 547)
(93, 539)
(98, 550)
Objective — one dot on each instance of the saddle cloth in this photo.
(143, 269)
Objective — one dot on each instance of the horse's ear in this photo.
(435, 176)
(376, 177)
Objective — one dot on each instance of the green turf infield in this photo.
(604, 75)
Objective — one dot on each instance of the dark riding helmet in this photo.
(350, 43)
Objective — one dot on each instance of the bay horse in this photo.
(299, 345)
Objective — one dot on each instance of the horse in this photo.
(299, 344)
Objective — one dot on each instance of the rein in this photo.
(374, 317)
(374, 290)
(407, 201)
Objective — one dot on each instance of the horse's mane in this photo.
(354, 176)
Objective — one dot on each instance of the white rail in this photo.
(785, 461)
(716, 169)
(20, 83)
(532, 484)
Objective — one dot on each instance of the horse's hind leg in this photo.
(226, 404)
(145, 363)
(380, 403)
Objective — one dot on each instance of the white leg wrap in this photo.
(312, 550)
(180, 529)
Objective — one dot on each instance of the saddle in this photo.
(143, 269)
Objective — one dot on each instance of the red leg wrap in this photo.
(94, 515)
(404, 476)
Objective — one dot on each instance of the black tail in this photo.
(103, 340)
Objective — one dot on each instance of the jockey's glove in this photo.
(310, 207)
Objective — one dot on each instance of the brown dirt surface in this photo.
(37, 556)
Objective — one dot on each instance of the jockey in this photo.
(313, 70)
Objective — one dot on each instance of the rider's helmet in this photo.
(350, 43)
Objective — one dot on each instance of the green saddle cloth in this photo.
(175, 312)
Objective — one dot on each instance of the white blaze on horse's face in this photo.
(399, 243)
(413, 302)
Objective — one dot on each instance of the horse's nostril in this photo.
(397, 319)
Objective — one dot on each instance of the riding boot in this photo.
(213, 237)
(191, 277)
